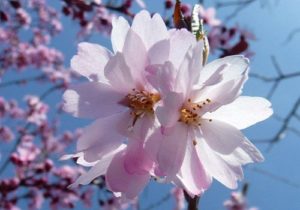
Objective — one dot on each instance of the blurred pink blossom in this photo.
(208, 16)
(179, 198)
(237, 201)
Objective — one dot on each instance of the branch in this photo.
(192, 202)
(278, 136)
(276, 177)
(277, 79)
(22, 81)
(27, 126)
(292, 34)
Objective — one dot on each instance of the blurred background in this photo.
(38, 39)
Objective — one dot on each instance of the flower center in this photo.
(141, 102)
(190, 113)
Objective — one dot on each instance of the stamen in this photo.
(141, 102)
(194, 142)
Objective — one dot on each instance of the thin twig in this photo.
(22, 81)
(193, 203)
(27, 126)
(275, 177)
(285, 126)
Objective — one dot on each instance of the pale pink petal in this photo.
(189, 70)
(236, 66)
(244, 154)
(119, 74)
(180, 41)
(172, 150)
(221, 137)
(243, 112)
(80, 159)
(119, 31)
(219, 94)
(152, 144)
(151, 30)
(90, 61)
(142, 127)
(100, 137)
(136, 159)
(119, 180)
(135, 55)
(159, 52)
(162, 77)
(168, 114)
(92, 100)
(98, 169)
(192, 175)
(217, 167)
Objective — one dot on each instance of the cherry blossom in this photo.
(237, 201)
(179, 198)
(208, 16)
(119, 96)
(201, 122)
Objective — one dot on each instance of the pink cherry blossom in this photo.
(179, 198)
(120, 98)
(208, 16)
(6, 134)
(237, 201)
(201, 117)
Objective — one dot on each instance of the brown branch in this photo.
(285, 126)
(193, 203)
(276, 80)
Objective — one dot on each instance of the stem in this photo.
(192, 202)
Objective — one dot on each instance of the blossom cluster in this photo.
(159, 112)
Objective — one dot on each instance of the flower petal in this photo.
(119, 31)
(189, 70)
(159, 52)
(162, 77)
(217, 167)
(136, 60)
(90, 61)
(98, 169)
(236, 66)
(243, 112)
(151, 30)
(136, 159)
(168, 114)
(221, 137)
(119, 180)
(192, 174)
(100, 138)
(244, 154)
(119, 74)
(219, 94)
(92, 100)
(172, 150)
(180, 42)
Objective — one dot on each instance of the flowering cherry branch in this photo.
(41, 140)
